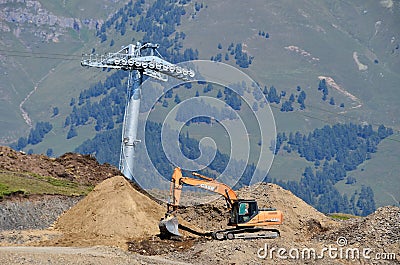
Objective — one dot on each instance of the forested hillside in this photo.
(330, 84)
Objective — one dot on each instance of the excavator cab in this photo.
(242, 211)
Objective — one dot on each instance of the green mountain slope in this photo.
(354, 45)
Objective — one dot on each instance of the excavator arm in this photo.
(204, 182)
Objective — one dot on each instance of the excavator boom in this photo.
(205, 183)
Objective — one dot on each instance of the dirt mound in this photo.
(380, 229)
(81, 168)
(85, 168)
(113, 213)
(300, 219)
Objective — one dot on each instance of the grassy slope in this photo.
(74, 80)
(57, 80)
(310, 28)
(32, 184)
(328, 30)
(82, 9)
(380, 173)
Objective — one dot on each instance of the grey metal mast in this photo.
(130, 59)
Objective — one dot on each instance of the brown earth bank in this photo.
(118, 216)
(76, 167)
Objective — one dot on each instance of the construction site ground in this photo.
(117, 223)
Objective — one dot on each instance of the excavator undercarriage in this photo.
(245, 233)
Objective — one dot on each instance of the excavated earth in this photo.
(112, 214)
(80, 168)
(117, 223)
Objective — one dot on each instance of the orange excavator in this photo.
(247, 220)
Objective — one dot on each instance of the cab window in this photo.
(244, 209)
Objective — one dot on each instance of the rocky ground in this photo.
(34, 212)
(117, 223)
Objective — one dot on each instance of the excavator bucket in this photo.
(169, 227)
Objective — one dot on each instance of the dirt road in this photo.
(74, 255)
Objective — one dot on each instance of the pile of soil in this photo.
(76, 167)
(300, 219)
(112, 214)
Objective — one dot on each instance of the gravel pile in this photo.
(381, 228)
(33, 213)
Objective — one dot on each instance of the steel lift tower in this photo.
(130, 59)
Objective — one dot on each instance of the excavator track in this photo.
(245, 233)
